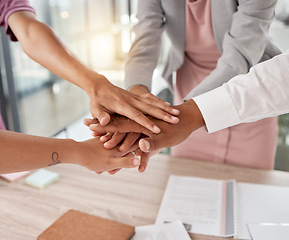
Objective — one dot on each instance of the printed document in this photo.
(222, 207)
(169, 231)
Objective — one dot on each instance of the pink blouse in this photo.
(201, 52)
(2, 126)
(250, 145)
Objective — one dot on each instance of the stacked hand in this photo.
(124, 133)
(92, 155)
(106, 99)
(107, 103)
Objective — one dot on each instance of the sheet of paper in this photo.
(168, 231)
(257, 203)
(269, 231)
(197, 202)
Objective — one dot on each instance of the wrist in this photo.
(70, 152)
(84, 153)
(93, 83)
(191, 115)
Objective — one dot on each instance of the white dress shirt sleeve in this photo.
(263, 92)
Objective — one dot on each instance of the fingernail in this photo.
(106, 144)
(156, 129)
(175, 119)
(136, 162)
(101, 121)
(141, 169)
(176, 111)
(147, 144)
(167, 103)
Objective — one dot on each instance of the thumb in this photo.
(101, 115)
(150, 144)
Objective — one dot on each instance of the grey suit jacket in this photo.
(240, 29)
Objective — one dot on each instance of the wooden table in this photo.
(128, 197)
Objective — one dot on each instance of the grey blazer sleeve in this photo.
(144, 53)
(244, 44)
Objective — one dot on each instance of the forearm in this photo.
(20, 152)
(42, 45)
(263, 92)
(144, 53)
(190, 116)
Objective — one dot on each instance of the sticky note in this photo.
(42, 178)
(12, 177)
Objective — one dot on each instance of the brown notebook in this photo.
(75, 225)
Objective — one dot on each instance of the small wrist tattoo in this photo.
(55, 159)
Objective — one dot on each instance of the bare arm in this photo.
(41, 44)
(20, 152)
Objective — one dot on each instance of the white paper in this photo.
(269, 231)
(169, 231)
(257, 203)
(197, 202)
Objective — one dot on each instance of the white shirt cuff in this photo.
(218, 109)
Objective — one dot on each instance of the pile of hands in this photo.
(137, 122)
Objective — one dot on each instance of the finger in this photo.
(106, 137)
(120, 125)
(99, 172)
(144, 157)
(129, 141)
(101, 115)
(89, 121)
(115, 140)
(158, 112)
(95, 134)
(157, 102)
(98, 130)
(112, 172)
(137, 112)
(140, 118)
(150, 144)
(144, 162)
(134, 148)
(128, 161)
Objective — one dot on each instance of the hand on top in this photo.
(125, 133)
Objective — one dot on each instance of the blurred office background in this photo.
(34, 101)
